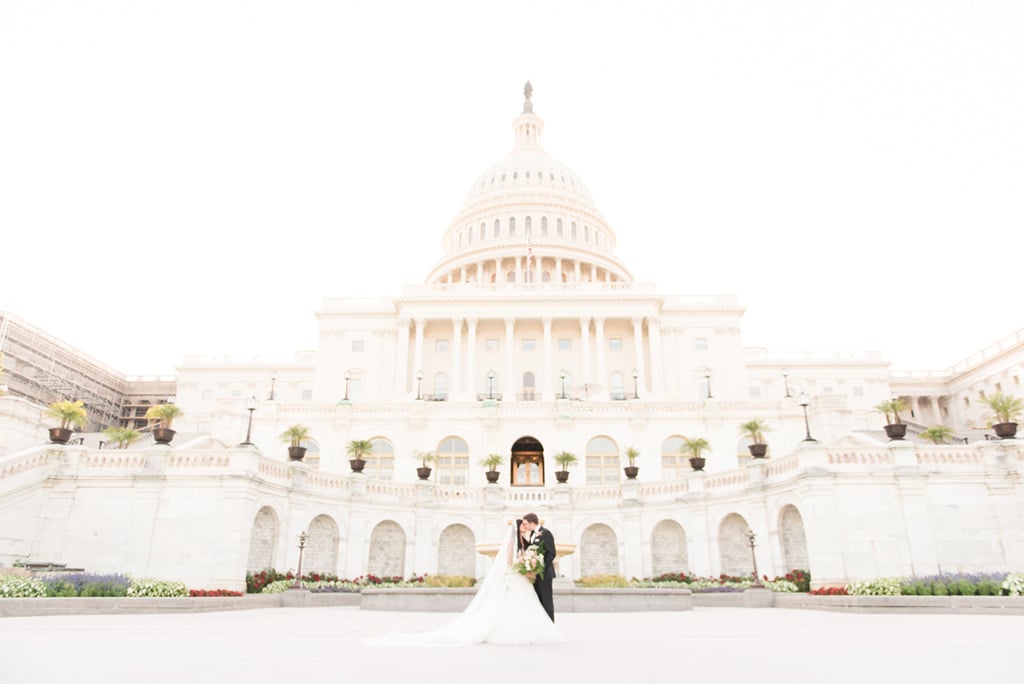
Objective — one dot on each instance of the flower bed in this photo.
(720, 584)
(329, 583)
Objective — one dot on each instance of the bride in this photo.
(505, 609)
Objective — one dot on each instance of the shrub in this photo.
(829, 591)
(278, 586)
(989, 588)
(801, 578)
(603, 581)
(448, 581)
(939, 589)
(12, 586)
(782, 586)
(86, 584)
(149, 587)
(1013, 585)
(672, 577)
(883, 586)
(198, 593)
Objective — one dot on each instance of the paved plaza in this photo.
(703, 645)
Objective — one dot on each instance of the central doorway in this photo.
(527, 463)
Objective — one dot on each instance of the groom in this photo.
(542, 585)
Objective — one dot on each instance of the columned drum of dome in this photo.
(528, 220)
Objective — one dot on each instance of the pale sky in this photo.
(195, 177)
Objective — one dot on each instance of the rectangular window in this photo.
(858, 391)
(357, 345)
(207, 395)
(755, 392)
(441, 345)
(826, 390)
(529, 344)
(700, 344)
(615, 344)
(307, 394)
(565, 345)
(491, 345)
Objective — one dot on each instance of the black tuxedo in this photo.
(542, 585)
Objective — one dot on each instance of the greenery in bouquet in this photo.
(530, 562)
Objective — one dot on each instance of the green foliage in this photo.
(694, 446)
(149, 587)
(13, 586)
(755, 429)
(425, 457)
(358, 448)
(566, 459)
(68, 413)
(632, 453)
(883, 586)
(452, 581)
(938, 434)
(164, 414)
(939, 589)
(989, 588)
(121, 437)
(603, 581)
(1013, 585)
(1005, 408)
(294, 435)
(891, 407)
(492, 461)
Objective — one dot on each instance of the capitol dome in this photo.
(528, 219)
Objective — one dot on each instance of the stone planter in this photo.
(631, 472)
(492, 476)
(296, 453)
(423, 473)
(1005, 430)
(697, 463)
(62, 435)
(562, 476)
(163, 435)
(357, 464)
(896, 431)
(758, 450)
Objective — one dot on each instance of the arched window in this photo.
(469, 235)
(510, 277)
(586, 233)
(558, 227)
(452, 465)
(572, 230)
(674, 463)
(512, 225)
(497, 227)
(528, 225)
(460, 240)
(602, 461)
(617, 388)
(483, 231)
(440, 387)
(381, 462)
(543, 225)
(545, 276)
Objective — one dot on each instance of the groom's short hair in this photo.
(531, 518)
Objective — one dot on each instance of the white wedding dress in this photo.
(505, 610)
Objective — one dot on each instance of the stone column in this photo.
(547, 393)
(601, 378)
(519, 269)
(479, 271)
(638, 346)
(470, 381)
(462, 274)
(456, 384)
(536, 268)
(508, 382)
(576, 270)
(557, 276)
(402, 362)
(936, 409)
(585, 348)
(417, 354)
(657, 365)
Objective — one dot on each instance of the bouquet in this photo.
(530, 562)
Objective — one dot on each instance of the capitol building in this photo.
(529, 338)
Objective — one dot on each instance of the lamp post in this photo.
(250, 406)
(303, 538)
(273, 381)
(490, 383)
(805, 401)
(563, 375)
(752, 538)
(636, 378)
(348, 381)
(707, 381)
(785, 381)
(419, 385)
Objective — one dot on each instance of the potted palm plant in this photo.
(894, 428)
(564, 459)
(631, 454)
(937, 434)
(294, 436)
(754, 430)
(68, 413)
(425, 458)
(1006, 411)
(491, 463)
(122, 437)
(163, 415)
(695, 447)
(358, 448)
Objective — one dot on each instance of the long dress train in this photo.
(505, 610)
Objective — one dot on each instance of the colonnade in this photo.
(592, 368)
(530, 269)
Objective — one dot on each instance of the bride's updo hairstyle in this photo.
(519, 536)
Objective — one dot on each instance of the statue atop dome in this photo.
(528, 93)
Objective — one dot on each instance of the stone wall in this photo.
(733, 546)
(387, 550)
(794, 541)
(261, 543)
(668, 549)
(599, 551)
(321, 553)
(456, 551)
